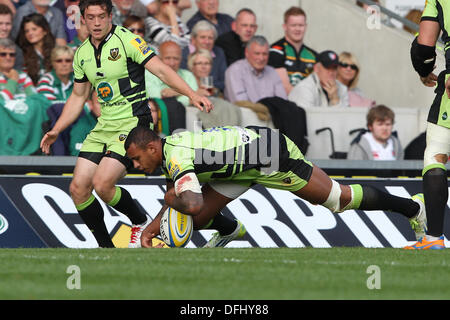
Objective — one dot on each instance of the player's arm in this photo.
(186, 195)
(423, 51)
(173, 80)
(70, 113)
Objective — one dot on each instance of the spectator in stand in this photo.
(165, 25)
(6, 18)
(378, 143)
(209, 10)
(242, 30)
(200, 64)
(56, 86)
(71, 15)
(37, 42)
(292, 59)
(152, 6)
(251, 79)
(14, 84)
(348, 74)
(82, 34)
(170, 54)
(53, 16)
(121, 10)
(321, 89)
(135, 24)
(203, 36)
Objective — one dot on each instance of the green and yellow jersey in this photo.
(116, 71)
(439, 11)
(243, 155)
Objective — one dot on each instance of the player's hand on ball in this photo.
(149, 233)
(48, 139)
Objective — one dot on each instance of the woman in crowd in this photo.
(348, 74)
(200, 64)
(135, 24)
(37, 42)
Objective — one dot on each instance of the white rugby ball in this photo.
(176, 228)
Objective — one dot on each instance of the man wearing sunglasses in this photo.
(321, 89)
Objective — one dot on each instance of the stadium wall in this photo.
(37, 212)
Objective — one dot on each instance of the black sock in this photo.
(374, 199)
(435, 191)
(124, 203)
(92, 214)
(222, 224)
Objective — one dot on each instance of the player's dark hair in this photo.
(106, 4)
(141, 136)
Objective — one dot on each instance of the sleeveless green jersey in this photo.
(116, 72)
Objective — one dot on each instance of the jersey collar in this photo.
(107, 37)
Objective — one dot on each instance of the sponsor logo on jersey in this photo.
(173, 167)
(114, 54)
(141, 45)
(105, 91)
(3, 224)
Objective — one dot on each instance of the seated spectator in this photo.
(152, 6)
(37, 42)
(203, 36)
(135, 24)
(200, 64)
(251, 78)
(82, 34)
(379, 143)
(6, 17)
(52, 14)
(71, 17)
(121, 10)
(165, 25)
(348, 74)
(209, 10)
(56, 86)
(242, 30)
(14, 84)
(321, 89)
(170, 54)
(292, 59)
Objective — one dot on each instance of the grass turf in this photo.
(226, 274)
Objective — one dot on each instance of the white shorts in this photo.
(228, 189)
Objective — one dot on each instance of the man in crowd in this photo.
(209, 10)
(242, 30)
(6, 21)
(251, 79)
(293, 60)
(321, 89)
(203, 36)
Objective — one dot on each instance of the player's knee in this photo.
(333, 201)
(79, 191)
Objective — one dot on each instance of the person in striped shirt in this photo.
(13, 84)
(165, 25)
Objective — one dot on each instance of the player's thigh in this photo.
(109, 171)
(438, 144)
(216, 195)
(318, 188)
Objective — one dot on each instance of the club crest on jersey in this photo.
(105, 91)
(122, 137)
(114, 54)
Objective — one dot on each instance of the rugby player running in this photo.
(112, 60)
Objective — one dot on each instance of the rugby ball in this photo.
(176, 228)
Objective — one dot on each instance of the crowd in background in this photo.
(219, 56)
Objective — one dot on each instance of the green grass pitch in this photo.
(224, 273)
